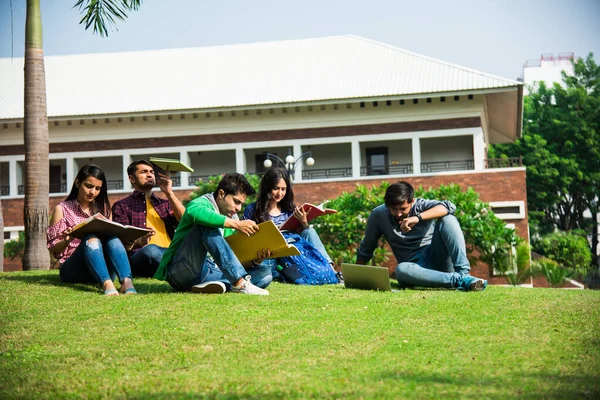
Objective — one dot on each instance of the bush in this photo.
(15, 248)
(554, 273)
(569, 249)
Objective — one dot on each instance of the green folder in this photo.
(171, 164)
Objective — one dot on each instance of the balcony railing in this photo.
(114, 184)
(4, 190)
(441, 166)
(326, 173)
(53, 188)
(510, 162)
(392, 169)
(192, 180)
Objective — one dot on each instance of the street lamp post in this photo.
(290, 162)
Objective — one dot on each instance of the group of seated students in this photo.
(186, 245)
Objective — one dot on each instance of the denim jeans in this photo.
(440, 264)
(145, 261)
(311, 236)
(96, 261)
(191, 266)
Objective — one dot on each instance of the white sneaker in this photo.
(210, 287)
(247, 287)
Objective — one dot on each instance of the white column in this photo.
(240, 160)
(479, 149)
(416, 154)
(126, 161)
(297, 152)
(184, 176)
(355, 150)
(70, 171)
(12, 178)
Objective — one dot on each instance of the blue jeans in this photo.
(145, 261)
(442, 263)
(311, 236)
(96, 261)
(191, 266)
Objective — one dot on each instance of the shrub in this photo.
(554, 273)
(15, 248)
(570, 249)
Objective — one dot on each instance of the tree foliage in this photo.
(569, 249)
(560, 147)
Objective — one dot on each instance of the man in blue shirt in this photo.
(426, 240)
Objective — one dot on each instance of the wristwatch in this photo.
(418, 215)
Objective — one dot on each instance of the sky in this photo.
(492, 36)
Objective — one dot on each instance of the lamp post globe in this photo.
(290, 159)
(310, 161)
(268, 163)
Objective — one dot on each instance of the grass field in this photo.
(64, 341)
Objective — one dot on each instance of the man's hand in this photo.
(247, 227)
(262, 255)
(140, 242)
(407, 224)
(164, 182)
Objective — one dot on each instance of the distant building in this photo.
(547, 68)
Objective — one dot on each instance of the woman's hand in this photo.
(66, 235)
(301, 215)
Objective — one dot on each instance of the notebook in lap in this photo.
(366, 277)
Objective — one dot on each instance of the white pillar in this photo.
(297, 152)
(479, 149)
(12, 178)
(240, 160)
(184, 176)
(126, 161)
(355, 150)
(70, 171)
(416, 154)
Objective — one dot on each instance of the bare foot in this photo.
(127, 287)
(109, 288)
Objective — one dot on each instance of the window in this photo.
(508, 209)
(377, 161)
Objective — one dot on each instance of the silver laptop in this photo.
(366, 277)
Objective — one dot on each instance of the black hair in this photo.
(267, 183)
(133, 166)
(399, 193)
(235, 183)
(100, 203)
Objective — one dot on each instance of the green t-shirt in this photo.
(201, 211)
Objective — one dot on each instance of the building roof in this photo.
(296, 71)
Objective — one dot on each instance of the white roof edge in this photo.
(515, 82)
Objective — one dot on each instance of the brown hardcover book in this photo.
(103, 227)
(267, 237)
(312, 212)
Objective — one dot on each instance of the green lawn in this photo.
(300, 342)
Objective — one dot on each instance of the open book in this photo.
(171, 164)
(103, 227)
(312, 212)
(267, 237)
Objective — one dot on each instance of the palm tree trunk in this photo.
(36, 254)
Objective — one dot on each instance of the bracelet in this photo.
(418, 215)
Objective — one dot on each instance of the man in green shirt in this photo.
(199, 259)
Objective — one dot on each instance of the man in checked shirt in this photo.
(145, 209)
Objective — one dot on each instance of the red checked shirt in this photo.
(132, 211)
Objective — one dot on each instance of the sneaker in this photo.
(210, 287)
(247, 287)
(340, 277)
(469, 283)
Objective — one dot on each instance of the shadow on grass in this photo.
(51, 278)
(549, 386)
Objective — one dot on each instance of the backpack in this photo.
(309, 268)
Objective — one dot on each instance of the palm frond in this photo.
(99, 14)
